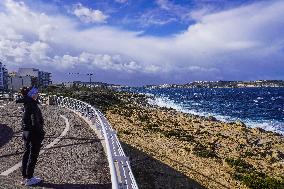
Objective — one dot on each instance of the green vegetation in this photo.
(248, 154)
(252, 178)
(101, 97)
(203, 151)
(180, 135)
(144, 118)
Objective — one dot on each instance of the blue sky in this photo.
(138, 42)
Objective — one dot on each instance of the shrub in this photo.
(144, 118)
(252, 178)
(203, 151)
(179, 134)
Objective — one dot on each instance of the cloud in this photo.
(165, 13)
(102, 61)
(175, 10)
(88, 15)
(121, 1)
(154, 17)
(246, 42)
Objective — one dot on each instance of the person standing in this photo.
(33, 134)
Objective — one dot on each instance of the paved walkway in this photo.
(76, 159)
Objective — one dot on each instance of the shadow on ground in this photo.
(75, 186)
(84, 141)
(10, 183)
(150, 173)
(6, 134)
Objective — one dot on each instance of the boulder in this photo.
(212, 118)
(240, 123)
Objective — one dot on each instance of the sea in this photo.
(256, 107)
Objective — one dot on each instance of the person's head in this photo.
(33, 93)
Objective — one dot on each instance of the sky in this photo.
(139, 42)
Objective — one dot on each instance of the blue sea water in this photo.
(257, 107)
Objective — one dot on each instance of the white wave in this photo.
(274, 126)
(147, 94)
(168, 103)
(195, 104)
(165, 102)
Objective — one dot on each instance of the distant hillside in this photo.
(223, 84)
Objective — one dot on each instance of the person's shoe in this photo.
(33, 181)
(24, 181)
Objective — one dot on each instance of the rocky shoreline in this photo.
(213, 153)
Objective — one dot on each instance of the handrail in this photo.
(119, 165)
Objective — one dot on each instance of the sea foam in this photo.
(273, 126)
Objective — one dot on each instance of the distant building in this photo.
(27, 77)
(15, 83)
(3, 77)
(28, 72)
(43, 78)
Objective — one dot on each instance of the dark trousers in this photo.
(32, 145)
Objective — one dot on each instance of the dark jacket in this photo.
(32, 117)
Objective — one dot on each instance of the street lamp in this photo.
(90, 74)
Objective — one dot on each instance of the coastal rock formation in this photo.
(209, 151)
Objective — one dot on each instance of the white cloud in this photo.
(165, 4)
(199, 13)
(181, 12)
(89, 15)
(121, 1)
(239, 43)
(153, 17)
(45, 32)
(38, 51)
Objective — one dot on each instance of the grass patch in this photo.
(154, 127)
(203, 151)
(179, 134)
(144, 118)
(252, 178)
(248, 154)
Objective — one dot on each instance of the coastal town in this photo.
(13, 81)
(223, 84)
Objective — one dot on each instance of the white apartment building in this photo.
(43, 78)
(27, 77)
(15, 83)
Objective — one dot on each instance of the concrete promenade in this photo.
(75, 157)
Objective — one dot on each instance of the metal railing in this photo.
(120, 170)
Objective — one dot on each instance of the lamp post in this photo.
(90, 74)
